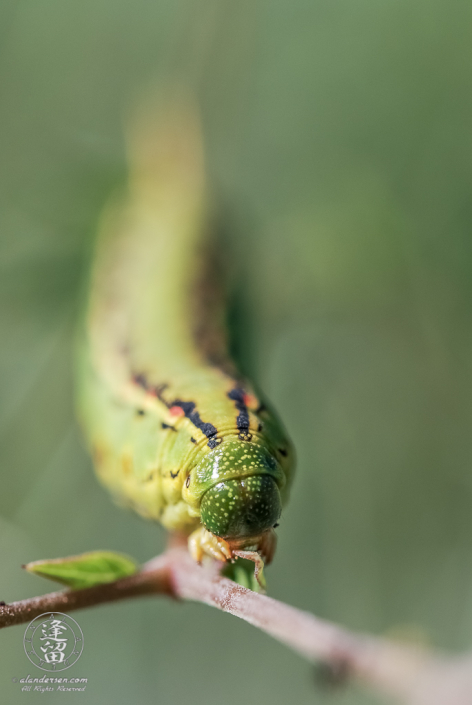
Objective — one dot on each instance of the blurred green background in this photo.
(339, 141)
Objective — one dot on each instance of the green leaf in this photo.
(86, 570)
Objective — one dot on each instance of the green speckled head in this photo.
(240, 508)
(236, 489)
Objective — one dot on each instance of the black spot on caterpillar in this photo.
(188, 407)
(140, 412)
(141, 381)
(242, 421)
(166, 425)
(174, 474)
(283, 452)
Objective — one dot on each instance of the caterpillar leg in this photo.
(202, 542)
(267, 546)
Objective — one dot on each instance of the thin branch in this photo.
(414, 676)
(154, 581)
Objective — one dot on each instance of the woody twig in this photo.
(412, 675)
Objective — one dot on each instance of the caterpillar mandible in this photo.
(175, 432)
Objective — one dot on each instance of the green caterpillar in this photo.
(174, 430)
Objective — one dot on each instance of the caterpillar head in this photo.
(237, 488)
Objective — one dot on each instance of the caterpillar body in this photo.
(174, 430)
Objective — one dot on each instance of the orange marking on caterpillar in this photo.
(176, 411)
(251, 401)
